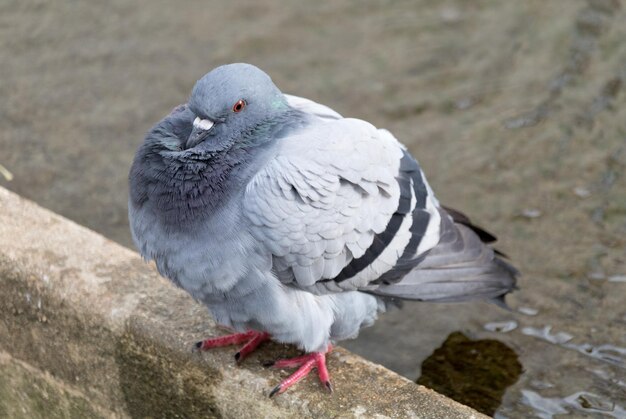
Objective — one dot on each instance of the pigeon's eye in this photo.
(238, 107)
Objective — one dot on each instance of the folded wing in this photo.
(340, 204)
(343, 206)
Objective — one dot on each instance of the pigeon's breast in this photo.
(208, 257)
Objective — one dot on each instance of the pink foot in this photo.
(304, 363)
(252, 340)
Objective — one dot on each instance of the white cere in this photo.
(204, 124)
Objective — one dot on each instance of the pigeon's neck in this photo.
(193, 188)
(183, 187)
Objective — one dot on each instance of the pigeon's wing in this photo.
(340, 205)
(462, 266)
(308, 106)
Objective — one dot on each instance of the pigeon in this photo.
(292, 223)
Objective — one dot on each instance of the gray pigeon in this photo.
(293, 223)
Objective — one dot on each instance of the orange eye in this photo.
(238, 107)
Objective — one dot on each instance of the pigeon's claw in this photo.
(305, 364)
(251, 345)
(251, 340)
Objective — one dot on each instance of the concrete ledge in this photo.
(89, 330)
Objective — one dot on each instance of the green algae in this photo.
(473, 372)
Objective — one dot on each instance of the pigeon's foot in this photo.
(305, 364)
(251, 340)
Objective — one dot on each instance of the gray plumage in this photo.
(285, 217)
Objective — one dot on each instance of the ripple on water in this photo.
(609, 353)
(528, 311)
(546, 334)
(617, 278)
(501, 327)
(582, 401)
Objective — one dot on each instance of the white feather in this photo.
(342, 174)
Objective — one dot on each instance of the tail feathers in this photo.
(460, 268)
(484, 235)
(500, 301)
(460, 218)
(452, 284)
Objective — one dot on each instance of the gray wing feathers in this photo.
(461, 267)
(322, 199)
(343, 206)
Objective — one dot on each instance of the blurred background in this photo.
(516, 111)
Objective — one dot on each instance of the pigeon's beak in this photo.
(201, 128)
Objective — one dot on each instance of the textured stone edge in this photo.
(90, 315)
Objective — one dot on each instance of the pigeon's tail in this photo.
(461, 267)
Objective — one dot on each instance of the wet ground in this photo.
(516, 111)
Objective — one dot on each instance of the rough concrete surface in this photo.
(515, 110)
(88, 330)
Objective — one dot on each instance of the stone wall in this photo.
(87, 329)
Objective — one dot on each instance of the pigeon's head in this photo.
(232, 101)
